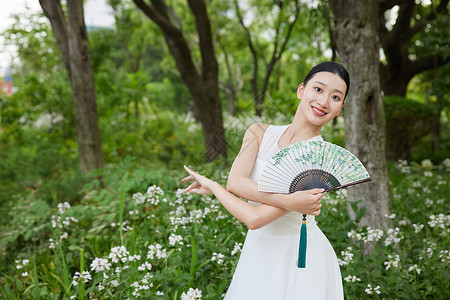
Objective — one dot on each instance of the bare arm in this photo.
(239, 183)
(253, 216)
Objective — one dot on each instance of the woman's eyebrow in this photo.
(336, 90)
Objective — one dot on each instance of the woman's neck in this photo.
(301, 131)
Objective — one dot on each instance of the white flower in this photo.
(444, 255)
(417, 227)
(192, 294)
(154, 195)
(393, 236)
(158, 293)
(351, 278)
(446, 163)
(428, 174)
(414, 268)
(56, 221)
(63, 207)
(158, 250)
(85, 276)
(24, 274)
(117, 253)
(347, 257)
(115, 283)
(370, 290)
(134, 257)
(373, 235)
(392, 261)
(237, 248)
(426, 163)
(218, 257)
(392, 216)
(173, 239)
(144, 266)
(139, 198)
(53, 243)
(354, 235)
(63, 236)
(100, 264)
(25, 262)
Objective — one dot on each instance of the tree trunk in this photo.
(203, 85)
(72, 40)
(356, 36)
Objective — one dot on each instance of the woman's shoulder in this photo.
(257, 130)
(255, 133)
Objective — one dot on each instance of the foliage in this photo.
(128, 240)
(407, 124)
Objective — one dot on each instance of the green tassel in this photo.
(302, 245)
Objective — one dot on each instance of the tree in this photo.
(413, 18)
(285, 20)
(203, 85)
(71, 37)
(356, 35)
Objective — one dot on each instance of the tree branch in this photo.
(426, 63)
(160, 17)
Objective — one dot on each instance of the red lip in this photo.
(316, 110)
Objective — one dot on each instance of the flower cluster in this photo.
(100, 265)
(440, 220)
(237, 248)
(61, 222)
(78, 277)
(174, 239)
(218, 257)
(392, 261)
(21, 264)
(351, 278)
(119, 253)
(403, 166)
(192, 294)
(347, 257)
(414, 268)
(393, 236)
(157, 250)
(372, 290)
(143, 284)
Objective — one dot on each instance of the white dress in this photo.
(267, 268)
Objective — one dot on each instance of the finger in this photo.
(189, 170)
(192, 186)
(317, 191)
(316, 212)
(187, 178)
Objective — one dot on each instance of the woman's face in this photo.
(322, 98)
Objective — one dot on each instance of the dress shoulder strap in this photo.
(269, 143)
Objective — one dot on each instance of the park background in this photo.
(90, 200)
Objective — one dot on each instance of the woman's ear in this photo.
(300, 91)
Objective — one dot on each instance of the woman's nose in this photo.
(322, 101)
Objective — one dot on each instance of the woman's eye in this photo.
(335, 98)
(318, 89)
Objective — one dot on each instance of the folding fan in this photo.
(308, 165)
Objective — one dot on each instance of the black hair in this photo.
(332, 67)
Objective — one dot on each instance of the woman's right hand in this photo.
(306, 202)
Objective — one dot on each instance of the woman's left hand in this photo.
(200, 185)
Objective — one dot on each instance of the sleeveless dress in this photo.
(267, 268)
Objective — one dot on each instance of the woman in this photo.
(267, 266)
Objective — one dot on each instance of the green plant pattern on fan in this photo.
(318, 153)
